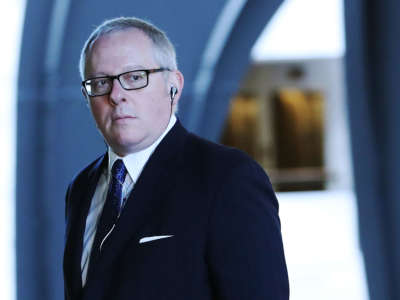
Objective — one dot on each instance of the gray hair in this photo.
(164, 51)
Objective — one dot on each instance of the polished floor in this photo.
(321, 245)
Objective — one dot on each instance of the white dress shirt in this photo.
(134, 164)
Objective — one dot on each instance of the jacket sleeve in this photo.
(67, 201)
(244, 250)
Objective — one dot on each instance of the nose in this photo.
(117, 94)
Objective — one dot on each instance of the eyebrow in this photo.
(124, 69)
(133, 68)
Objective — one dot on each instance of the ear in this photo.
(176, 79)
(85, 95)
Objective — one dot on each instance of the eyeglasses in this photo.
(131, 80)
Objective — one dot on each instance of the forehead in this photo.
(120, 51)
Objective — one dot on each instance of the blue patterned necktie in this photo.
(112, 207)
(118, 174)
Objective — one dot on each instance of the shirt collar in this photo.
(135, 162)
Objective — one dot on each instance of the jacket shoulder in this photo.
(217, 155)
(82, 179)
(85, 173)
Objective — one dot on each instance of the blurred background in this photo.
(308, 88)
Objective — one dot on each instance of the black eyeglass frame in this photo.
(112, 77)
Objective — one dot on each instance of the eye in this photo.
(134, 77)
(99, 85)
(101, 82)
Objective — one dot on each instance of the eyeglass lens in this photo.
(129, 81)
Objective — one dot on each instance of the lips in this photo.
(122, 117)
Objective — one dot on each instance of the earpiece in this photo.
(173, 92)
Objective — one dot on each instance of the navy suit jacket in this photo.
(220, 210)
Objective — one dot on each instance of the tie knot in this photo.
(118, 170)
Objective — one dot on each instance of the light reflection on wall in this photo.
(303, 29)
(11, 19)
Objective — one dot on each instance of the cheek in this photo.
(163, 104)
(162, 112)
(157, 108)
(99, 112)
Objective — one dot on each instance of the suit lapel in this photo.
(151, 189)
(82, 194)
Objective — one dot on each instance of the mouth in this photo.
(122, 117)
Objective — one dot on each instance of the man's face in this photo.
(128, 120)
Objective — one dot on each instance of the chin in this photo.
(127, 146)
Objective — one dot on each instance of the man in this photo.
(163, 214)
